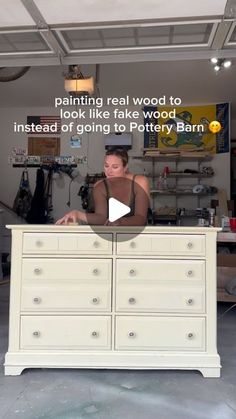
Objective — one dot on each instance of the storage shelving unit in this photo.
(176, 174)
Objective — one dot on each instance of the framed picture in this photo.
(41, 146)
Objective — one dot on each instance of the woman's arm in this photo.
(100, 205)
(98, 217)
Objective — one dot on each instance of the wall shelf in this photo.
(43, 165)
(176, 158)
(183, 175)
(160, 192)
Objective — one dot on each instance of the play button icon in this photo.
(117, 209)
(121, 199)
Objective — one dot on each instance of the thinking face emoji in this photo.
(214, 126)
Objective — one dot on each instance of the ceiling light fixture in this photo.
(76, 84)
(227, 63)
(214, 60)
(220, 63)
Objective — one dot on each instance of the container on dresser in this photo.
(113, 299)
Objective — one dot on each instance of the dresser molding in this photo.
(84, 300)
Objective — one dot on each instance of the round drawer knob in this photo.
(132, 272)
(95, 300)
(132, 334)
(132, 300)
(37, 300)
(133, 245)
(37, 271)
(190, 245)
(96, 244)
(39, 243)
(36, 333)
(190, 301)
(95, 334)
(190, 273)
(95, 271)
(190, 335)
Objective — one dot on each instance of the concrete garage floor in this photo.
(112, 394)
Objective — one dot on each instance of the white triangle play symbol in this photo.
(117, 209)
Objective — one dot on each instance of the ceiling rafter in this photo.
(43, 28)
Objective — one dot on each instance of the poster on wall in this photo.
(189, 128)
(41, 146)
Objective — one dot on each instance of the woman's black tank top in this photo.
(132, 198)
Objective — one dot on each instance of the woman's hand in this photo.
(70, 217)
(114, 223)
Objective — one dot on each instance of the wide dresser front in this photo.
(113, 298)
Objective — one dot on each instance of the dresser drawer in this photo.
(65, 332)
(173, 271)
(161, 298)
(160, 285)
(66, 297)
(87, 271)
(160, 333)
(82, 243)
(161, 244)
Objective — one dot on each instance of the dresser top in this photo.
(52, 228)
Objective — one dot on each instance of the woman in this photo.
(131, 190)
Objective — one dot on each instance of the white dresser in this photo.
(113, 300)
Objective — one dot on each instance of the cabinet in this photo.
(113, 299)
(226, 266)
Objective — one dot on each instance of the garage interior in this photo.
(149, 49)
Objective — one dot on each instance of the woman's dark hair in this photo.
(119, 152)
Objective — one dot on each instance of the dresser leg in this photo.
(210, 372)
(8, 370)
